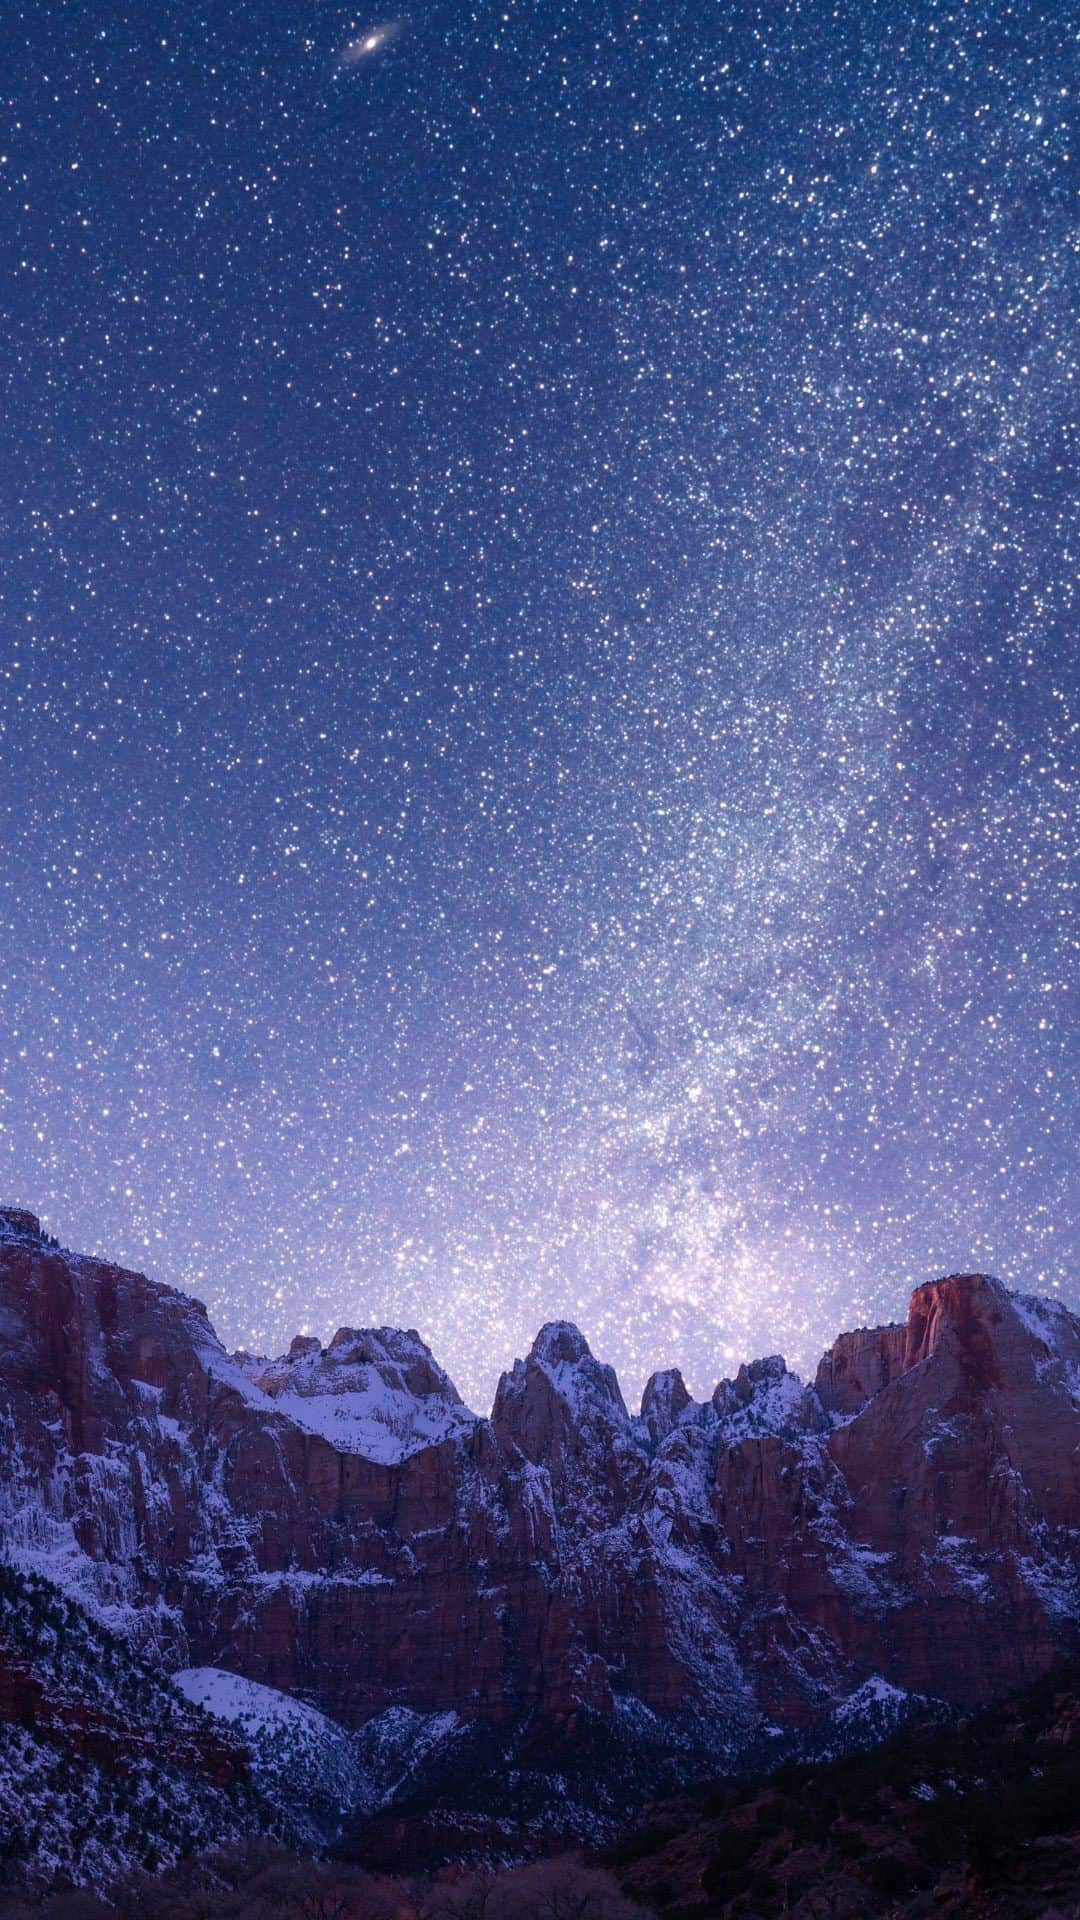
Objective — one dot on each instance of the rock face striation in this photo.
(337, 1525)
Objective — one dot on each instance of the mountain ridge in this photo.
(659, 1589)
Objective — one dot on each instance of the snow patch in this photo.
(1046, 1319)
(957, 1555)
(248, 1704)
(375, 1391)
(764, 1398)
(939, 1434)
(586, 1385)
(381, 1423)
(300, 1758)
(874, 1694)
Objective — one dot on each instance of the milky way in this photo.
(538, 639)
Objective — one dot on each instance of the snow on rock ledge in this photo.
(374, 1391)
(764, 1398)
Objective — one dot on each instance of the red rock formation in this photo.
(665, 1398)
(335, 1522)
(87, 1730)
(858, 1365)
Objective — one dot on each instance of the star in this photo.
(537, 669)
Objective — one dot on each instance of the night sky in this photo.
(538, 632)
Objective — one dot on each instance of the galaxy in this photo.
(537, 728)
(363, 45)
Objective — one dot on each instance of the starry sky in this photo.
(537, 759)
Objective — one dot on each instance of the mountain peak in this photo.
(665, 1398)
(764, 1398)
(375, 1391)
(589, 1386)
(560, 1343)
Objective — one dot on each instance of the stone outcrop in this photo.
(337, 1524)
(86, 1730)
(664, 1400)
(858, 1365)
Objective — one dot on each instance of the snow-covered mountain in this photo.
(564, 1605)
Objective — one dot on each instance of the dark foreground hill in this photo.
(975, 1820)
(969, 1820)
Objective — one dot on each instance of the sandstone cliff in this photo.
(337, 1525)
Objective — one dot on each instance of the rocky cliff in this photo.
(337, 1525)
